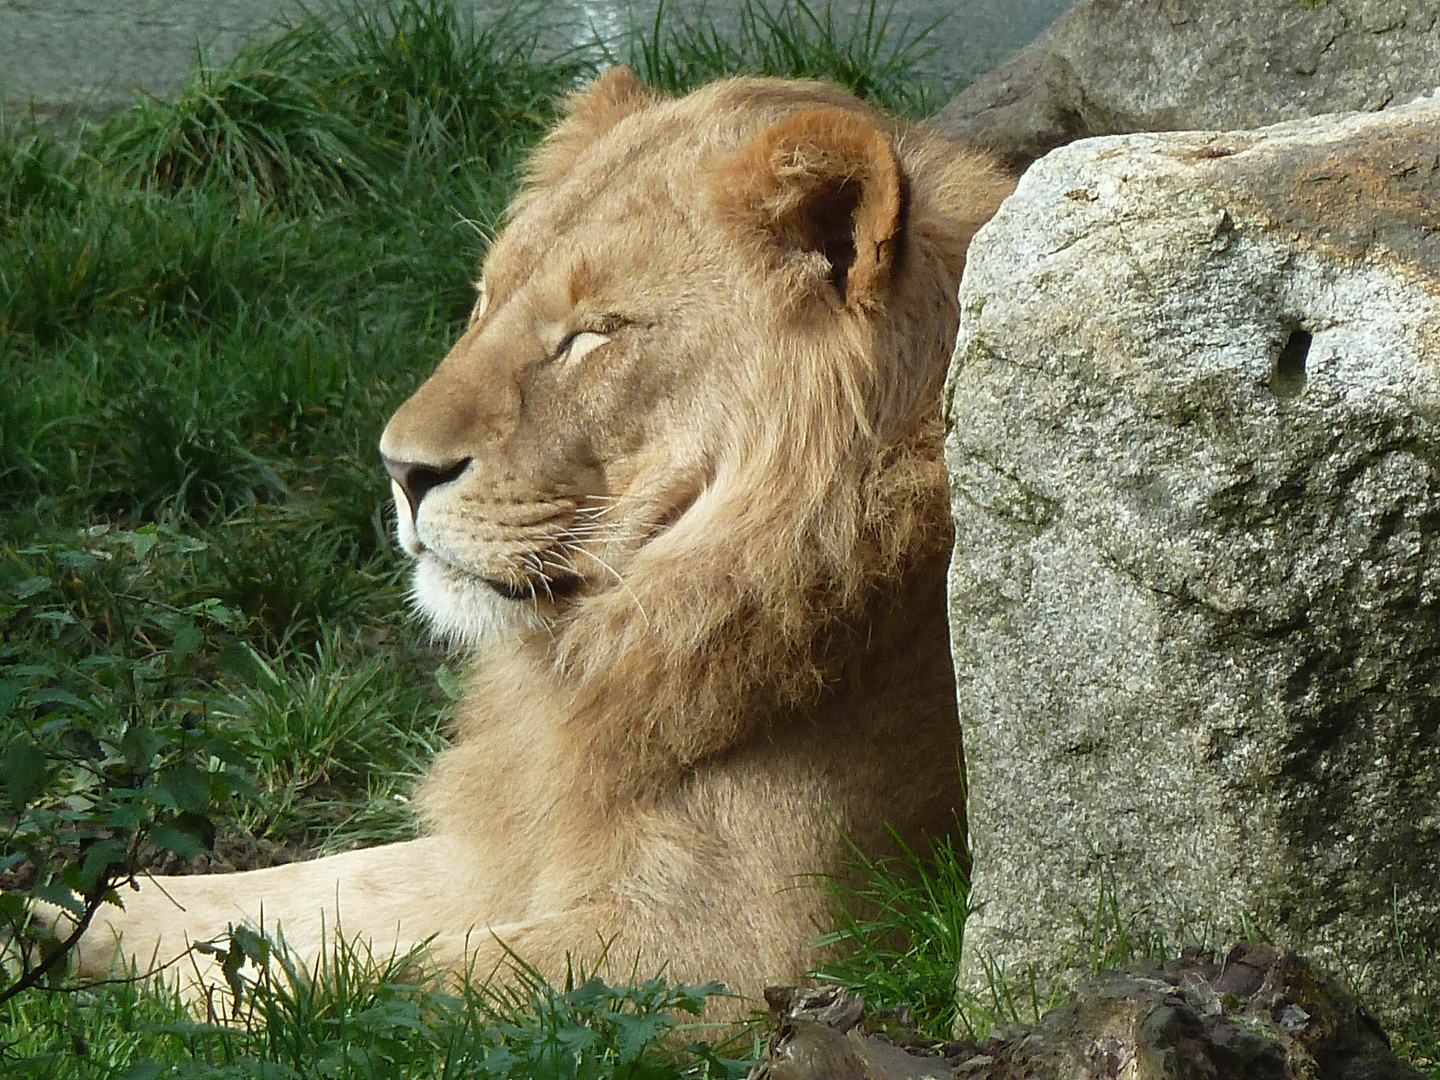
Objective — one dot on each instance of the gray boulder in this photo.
(1114, 66)
(1194, 443)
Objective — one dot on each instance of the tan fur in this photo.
(744, 477)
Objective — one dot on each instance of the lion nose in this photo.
(415, 479)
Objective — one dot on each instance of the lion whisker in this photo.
(604, 537)
(611, 504)
(619, 580)
(616, 530)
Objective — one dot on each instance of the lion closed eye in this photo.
(677, 490)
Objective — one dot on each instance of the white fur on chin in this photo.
(463, 610)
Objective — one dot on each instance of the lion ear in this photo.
(825, 182)
(589, 113)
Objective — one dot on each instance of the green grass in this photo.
(898, 924)
(356, 1015)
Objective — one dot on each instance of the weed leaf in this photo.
(23, 772)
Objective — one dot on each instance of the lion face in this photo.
(560, 433)
(688, 293)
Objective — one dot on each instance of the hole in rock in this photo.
(1288, 378)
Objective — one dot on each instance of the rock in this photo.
(1114, 66)
(1194, 446)
(1261, 1013)
(820, 1035)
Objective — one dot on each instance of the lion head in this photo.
(691, 426)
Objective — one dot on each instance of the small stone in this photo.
(1293, 1018)
(1200, 995)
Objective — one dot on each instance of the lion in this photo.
(678, 492)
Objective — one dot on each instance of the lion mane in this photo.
(678, 491)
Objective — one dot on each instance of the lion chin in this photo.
(469, 612)
(677, 490)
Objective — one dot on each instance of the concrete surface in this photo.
(93, 55)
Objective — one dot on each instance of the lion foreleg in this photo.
(388, 899)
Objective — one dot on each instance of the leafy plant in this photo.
(98, 756)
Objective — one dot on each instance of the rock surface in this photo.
(1194, 448)
(1262, 1014)
(1115, 66)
